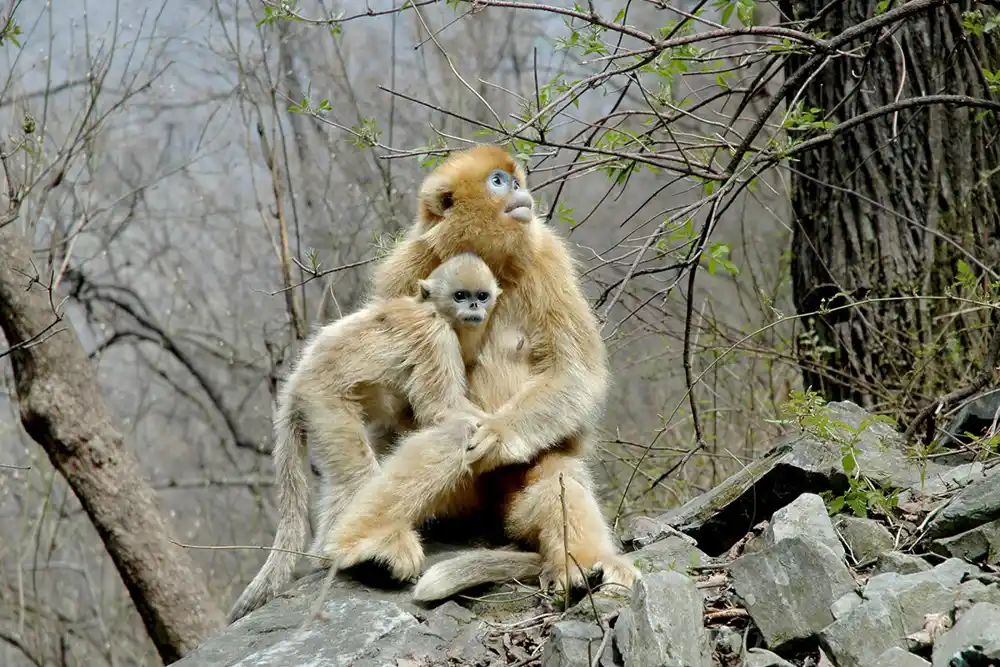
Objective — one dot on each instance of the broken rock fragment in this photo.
(866, 539)
(981, 543)
(900, 563)
(572, 644)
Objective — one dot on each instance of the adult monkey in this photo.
(477, 201)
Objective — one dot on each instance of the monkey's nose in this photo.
(519, 206)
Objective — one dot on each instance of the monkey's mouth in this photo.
(519, 213)
(473, 318)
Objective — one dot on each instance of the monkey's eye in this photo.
(516, 183)
(483, 296)
(461, 295)
(497, 182)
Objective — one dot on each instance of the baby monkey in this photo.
(356, 371)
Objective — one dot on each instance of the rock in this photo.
(572, 644)
(758, 657)
(663, 625)
(895, 607)
(897, 657)
(789, 589)
(981, 543)
(865, 538)
(896, 561)
(670, 553)
(799, 464)
(978, 627)
(358, 627)
(804, 517)
(976, 504)
(974, 591)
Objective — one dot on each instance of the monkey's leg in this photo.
(426, 476)
(344, 457)
(535, 513)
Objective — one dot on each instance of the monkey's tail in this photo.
(475, 567)
(293, 505)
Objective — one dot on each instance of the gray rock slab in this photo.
(979, 626)
(897, 657)
(670, 553)
(866, 539)
(758, 657)
(572, 644)
(981, 543)
(357, 626)
(663, 625)
(895, 607)
(804, 517)
(796, 465)
(976, 504)
(790, 587)
(900, 563)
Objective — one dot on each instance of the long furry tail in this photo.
(293, 504)
(475, 567)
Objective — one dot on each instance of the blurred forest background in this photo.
(204, 182)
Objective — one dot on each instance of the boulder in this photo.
(789, 589)
(662, 626)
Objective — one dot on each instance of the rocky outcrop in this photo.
(754, 573)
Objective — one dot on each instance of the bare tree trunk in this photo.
(63, 410)
(879, 212)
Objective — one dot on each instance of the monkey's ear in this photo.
(436, 196)
(425, 290)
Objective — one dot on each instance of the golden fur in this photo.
(541, 420)
(356, 376)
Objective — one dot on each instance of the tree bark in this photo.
(874, 210)
(62, 409)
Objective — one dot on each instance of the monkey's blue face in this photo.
(518, 203)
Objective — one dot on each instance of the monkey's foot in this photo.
(618, 574)
(556, 577)
(395, 546)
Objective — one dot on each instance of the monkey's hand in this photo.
(494, 445)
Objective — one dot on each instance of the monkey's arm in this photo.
(566, 397)
(397, 274)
